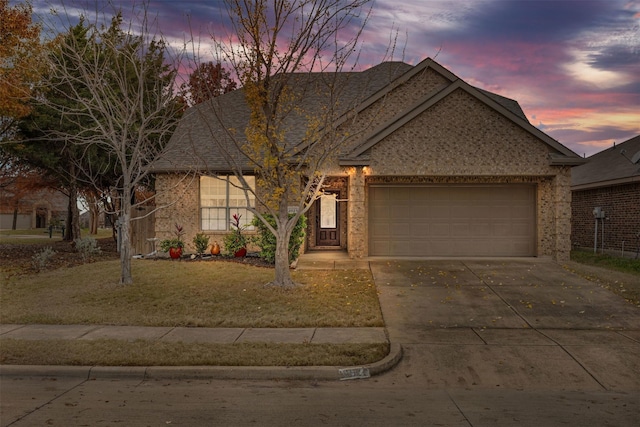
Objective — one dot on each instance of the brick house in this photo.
(441, 168)
(37, 209)
(609, 181)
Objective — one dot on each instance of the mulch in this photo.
(21, 255)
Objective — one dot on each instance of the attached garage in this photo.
(452, 220)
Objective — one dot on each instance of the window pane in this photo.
(217, 208)
(236, 193)
(245, 219)
(213, 190)
(214, 218)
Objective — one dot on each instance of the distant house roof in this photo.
(608, 167)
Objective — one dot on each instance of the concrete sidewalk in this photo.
(202, 335)
(192, 335)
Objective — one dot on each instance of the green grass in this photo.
(154, 353)
(173, 293)
(41, 235)
(624, 265)
(619, 275)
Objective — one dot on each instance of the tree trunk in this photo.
(125, 241)
(15, 218)
(93, 220)
(283, 273)
(72, 230)
(94, 214)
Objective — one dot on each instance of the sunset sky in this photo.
(573, 65)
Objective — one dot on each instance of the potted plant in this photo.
(175, 244)
(235, 243)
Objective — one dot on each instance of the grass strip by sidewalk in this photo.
(618, 275)
(145, 353)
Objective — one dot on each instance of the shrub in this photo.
(41, 259)
(235, 241)
(87, 247)
(201, 242)
(267, 241)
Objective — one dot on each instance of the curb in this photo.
(320, 373)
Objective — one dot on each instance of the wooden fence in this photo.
(143, 221)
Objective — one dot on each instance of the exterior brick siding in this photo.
(459, 139)
(622, 224)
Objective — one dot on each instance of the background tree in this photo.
(19, 63)
(276, 48)
(207, 81)
(44, 134)
(119, 99)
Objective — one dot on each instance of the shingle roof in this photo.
(197, 142)
(200, 141)
(608, 167)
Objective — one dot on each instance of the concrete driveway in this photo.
(515, 324)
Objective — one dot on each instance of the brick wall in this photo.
(621, 204)
(459, 139)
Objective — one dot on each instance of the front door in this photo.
(327, 220)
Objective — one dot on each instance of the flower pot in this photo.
(215, 249)
(241, 253)
(175, 253)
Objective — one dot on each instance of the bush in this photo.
(267, 241)
(201, 242)
(87, 247)
(42, 258)
(235, 241)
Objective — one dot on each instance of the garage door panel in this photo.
(400, 230)
(437, 229)
(452, 221)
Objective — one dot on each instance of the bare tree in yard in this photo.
(288, 56)
(120, 98)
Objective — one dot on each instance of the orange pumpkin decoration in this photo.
(215, 249)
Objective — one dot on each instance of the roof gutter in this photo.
(562, 160)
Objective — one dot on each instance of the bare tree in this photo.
(119, 95)
(289, 57)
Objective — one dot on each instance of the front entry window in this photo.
(328, 220)
(328, 211)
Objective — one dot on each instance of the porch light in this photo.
(350, 170)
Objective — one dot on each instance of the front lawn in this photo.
(187, 293)
(190, 293)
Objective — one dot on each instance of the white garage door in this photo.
(452, 220)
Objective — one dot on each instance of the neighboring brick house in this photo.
(610, 181)
(440, 168)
